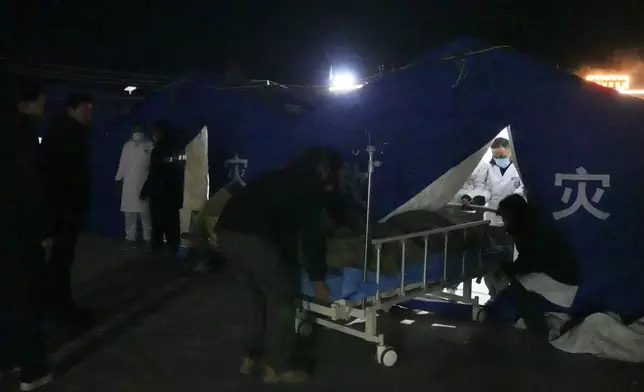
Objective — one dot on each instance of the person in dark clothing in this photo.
(164, 188)
(67, 172)
(344, 207)
(546, 266)
(260, 231)
(25, 232)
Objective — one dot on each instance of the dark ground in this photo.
(163, 329)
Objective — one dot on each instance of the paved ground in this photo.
(173, 332)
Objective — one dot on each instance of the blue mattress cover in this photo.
(349, 284)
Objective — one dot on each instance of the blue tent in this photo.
(577, 146)
(252, 121)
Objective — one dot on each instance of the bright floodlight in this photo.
(344, 82)
(129, 89)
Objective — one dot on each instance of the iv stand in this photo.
(367, 238)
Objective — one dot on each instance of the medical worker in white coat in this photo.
(500, 180)
(132, 172)
(474, 184)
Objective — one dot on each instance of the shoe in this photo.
(35, 384)
(290, 376)
(248, 366)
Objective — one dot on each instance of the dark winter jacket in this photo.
(282, 206)
(22, 198)
(24, 221)
(541, 248)
(67, 169)
(164, 185)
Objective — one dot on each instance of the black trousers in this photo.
(22, 341)
(530, 307)
(22, 289)
(61, 260)
(272, 286)
(165, 222)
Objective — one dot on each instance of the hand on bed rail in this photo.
(471, 206)
(321, 291)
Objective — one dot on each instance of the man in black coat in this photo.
(164, 188)
(546, 266)
(260, 231)
(67, 169)
(25, 230)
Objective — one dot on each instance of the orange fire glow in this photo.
(617, 82)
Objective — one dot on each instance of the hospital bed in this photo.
(360, 294)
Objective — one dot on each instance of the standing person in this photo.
(24, 234)
(164, 188)
(474, 185)
(260, 231)
(500, 180)
(470, 189)
(495, 182)
(67, 172)
(131, 174)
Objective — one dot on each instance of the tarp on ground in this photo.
(577, 144)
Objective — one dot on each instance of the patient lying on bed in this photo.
(345, 247)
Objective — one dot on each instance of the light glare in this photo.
(343, 82)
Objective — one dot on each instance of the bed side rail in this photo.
(403, 238)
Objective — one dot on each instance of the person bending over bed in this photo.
(546, 266)
(260, 231)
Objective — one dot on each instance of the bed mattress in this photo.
(349, 284)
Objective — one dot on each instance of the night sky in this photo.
(294, 42)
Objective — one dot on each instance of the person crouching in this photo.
(546, 267)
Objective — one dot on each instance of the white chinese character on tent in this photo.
(236, 170)
(582, 177)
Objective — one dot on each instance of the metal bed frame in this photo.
(338, 314)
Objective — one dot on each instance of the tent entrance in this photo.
(446, 188)
(449, 188)
(196, 178)
(487, 157)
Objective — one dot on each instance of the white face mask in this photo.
(137, 137)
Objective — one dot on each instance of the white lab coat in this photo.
(133, 170)
(474, 184)
(495, 187)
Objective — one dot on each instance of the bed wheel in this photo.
(386, 356)
(304, 328)
(479, 313)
